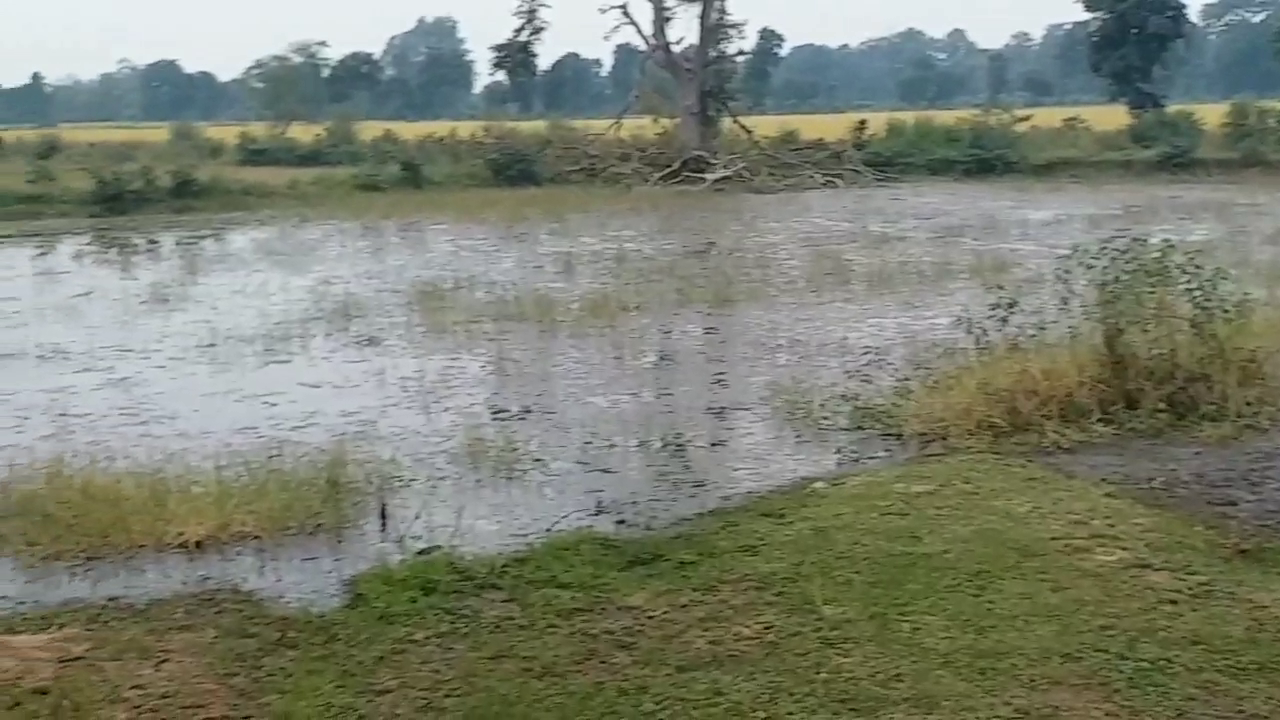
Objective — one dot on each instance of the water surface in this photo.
(618, 369)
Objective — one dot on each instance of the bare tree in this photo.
(701, 70)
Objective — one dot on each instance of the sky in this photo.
(87, 37)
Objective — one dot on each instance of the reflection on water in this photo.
(612, 370)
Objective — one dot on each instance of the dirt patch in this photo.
(1077, 702)
(1237, 481)
(175, 680)
(44, 674)
(32, 661)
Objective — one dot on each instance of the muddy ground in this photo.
(1234, 482)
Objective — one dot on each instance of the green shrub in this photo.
(1175, 136)
(513, 166)
(40, 174)
(1143, 336)
(47, 147)
(1251, 130)
(184, 184)
(987, 144)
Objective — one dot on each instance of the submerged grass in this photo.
(66, 511)
(958, 588)
(643, 288)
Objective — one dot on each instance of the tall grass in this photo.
(65, 510)
(1142, 336)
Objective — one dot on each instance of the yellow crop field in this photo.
(814, 126)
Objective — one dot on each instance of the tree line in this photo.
(1143, 52)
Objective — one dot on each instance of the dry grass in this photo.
(1161, 343)
(1062, 393)
(828, 126)
(65, 511)
(32, 660)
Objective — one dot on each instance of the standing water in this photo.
(614, 370)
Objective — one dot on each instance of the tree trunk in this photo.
(695, 128)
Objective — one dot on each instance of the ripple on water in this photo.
(196, 343)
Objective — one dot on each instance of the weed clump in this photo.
(63, 510)
(1144, 336)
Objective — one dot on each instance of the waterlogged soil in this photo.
(617, 369)
(1235, 481)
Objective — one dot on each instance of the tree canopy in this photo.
(1142, 52)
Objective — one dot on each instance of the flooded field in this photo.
(617, 370)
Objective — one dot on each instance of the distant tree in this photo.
(429, 71)
(209, 96)
(1063, 61)
(290, 86)
(684, 61)
(997, 77)
(757, 71)
(516, 58)
(355, 75)
(624, 74)
(39, 100)
(1128, 40)
(28, 104)
(167, 92)
(573, 86)
(494, 98)
(1037, 87)
(930, 83)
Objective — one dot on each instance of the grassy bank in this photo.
(960, 588)
(48, 175)
(76, 511)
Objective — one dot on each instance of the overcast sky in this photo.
(86, 37)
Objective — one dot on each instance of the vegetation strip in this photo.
(965, 587)
(67, 511)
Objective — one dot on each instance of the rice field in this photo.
(814, 126)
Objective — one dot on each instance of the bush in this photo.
(130, 189)
(190, 138)
(386, 147)
(186, 133)
(275, 149)
(1251, 131)
(1144, 336)
(513, 166)
(988, 144)
(184, 184)
(40, 175)
(48, 146)
(410, 173)
(120, 191)
(1175, 136)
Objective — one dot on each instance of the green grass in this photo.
(957, 588)
(62, 511)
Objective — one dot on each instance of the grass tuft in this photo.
(1143, 337)
(65, 511)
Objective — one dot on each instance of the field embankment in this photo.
(53, 174)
